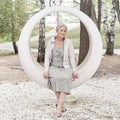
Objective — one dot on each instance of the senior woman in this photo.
(60, 66)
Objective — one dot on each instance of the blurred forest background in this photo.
(105, 13)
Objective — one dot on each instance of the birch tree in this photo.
(99, 14)
(118, 9)
(41, 46)
(13, 16)
(109, 26)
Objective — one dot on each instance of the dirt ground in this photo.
(110, 66)
(11, 70)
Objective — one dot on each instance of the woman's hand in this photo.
(45, 75)
(75, 75)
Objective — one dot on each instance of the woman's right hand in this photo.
(75, 75)
(45, 75)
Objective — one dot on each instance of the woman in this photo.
(60, 67)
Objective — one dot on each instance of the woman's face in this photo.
(61, 32)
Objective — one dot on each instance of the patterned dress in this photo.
(59, 77)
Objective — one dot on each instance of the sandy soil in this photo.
(11, 70)
(22, 99)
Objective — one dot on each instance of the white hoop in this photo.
(86, 69)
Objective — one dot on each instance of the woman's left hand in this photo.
(75, 75)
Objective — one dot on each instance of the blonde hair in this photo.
(60, 25)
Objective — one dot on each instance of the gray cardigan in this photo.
(68, 59)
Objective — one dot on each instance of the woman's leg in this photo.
(62, 99)
(60, 105)
(57, 96)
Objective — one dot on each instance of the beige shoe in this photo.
(63, 109)
(59, 113)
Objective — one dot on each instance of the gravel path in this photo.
(22, 99)
(98, 99)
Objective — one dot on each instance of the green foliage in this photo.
(117, 36)
(74, 35)
(48, 28)
(13, 16)
(4, 38)
(36, 29)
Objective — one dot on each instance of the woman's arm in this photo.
(47, 61)
(72, 56)
(47, 57)
(72, 61)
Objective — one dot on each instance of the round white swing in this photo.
(85, 70)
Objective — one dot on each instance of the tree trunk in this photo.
(109, 31)
(110, 45)
(13, 40)
(99, 14)
(85, 6)
(118, 9)
(15, 47)
(41, 46)
(13, 32)
(93, 14)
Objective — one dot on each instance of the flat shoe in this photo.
(59, 116)
(63, 109)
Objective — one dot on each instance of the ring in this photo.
(85, 70)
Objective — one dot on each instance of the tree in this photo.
(118, 9)
(99, 14)
(12, 18)
(109, 30)
(87, 7)
(13, 29)
(41, 46)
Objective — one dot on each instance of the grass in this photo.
(117, 37)
(36, 29)
(74, 35)
(4, 38)
(7, 38)
(5, 52)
